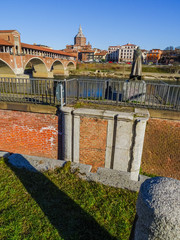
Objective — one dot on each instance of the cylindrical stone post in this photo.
(67, 133)
(158, 210)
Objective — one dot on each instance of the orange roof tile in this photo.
(129, 44)
(5, 43)
(25, 45)
(86, 51)
(100, 53)
(7, 31)
(115, 46)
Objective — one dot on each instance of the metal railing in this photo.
(133, 93)
(26, 90)
(114, 92)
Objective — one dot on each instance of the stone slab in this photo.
(34, 163)
(109, 177)
(4, 154)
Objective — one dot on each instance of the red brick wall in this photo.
(29, 133)
(93, 133)
(161, 151)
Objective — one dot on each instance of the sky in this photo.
(148, 24)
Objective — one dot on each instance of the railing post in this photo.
(65, 91)
(77, 84)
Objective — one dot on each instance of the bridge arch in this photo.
(6, 69)
(36, 67)
(57, 68)
(71, 66)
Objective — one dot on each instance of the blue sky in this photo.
(149, 24)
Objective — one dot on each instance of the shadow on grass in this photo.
(70, 220)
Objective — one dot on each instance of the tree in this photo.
(169, 48)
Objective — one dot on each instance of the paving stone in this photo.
(34, 163)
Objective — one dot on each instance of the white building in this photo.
(126, 52)
(113, 53)
(122, 53)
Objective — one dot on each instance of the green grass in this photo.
(58, 205)
(113, 67)
(147, 174)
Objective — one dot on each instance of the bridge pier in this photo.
(66, 72)
(50, 74)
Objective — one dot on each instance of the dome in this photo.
(80, 34)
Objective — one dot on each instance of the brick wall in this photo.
(29, 133)
(93, 134)
(37, 134)
(161, 151)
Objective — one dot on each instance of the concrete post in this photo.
(158, 210)
(76, 137)
(141, 117)
(67, 133)
(129, 141)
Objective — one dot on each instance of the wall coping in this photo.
(105, 114)
(139, 114)
(27, 107)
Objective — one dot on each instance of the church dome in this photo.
(80, 34)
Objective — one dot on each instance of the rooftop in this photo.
(44, 49)
(5, 43)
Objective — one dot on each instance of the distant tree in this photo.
(178, 47)
(169, 48)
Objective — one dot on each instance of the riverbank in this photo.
(145, 76)
(114, 70)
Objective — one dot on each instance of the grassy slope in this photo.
(58, 205)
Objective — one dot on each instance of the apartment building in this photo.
(113, 53)
(154, 55)
(122, 53)
(126, 52)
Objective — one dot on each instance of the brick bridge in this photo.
(18, 59)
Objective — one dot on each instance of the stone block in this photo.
(158, 210)
(4, 154)
(33, 163)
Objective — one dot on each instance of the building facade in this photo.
(113, 53)
(100, 56)
(126, 52)
(154, 56)
(122, 53)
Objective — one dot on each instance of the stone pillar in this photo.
(50, 74)
(158, 210)
(76, 136)
(66, 72)
(129, 140)
(141, 117)
(67, 133)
